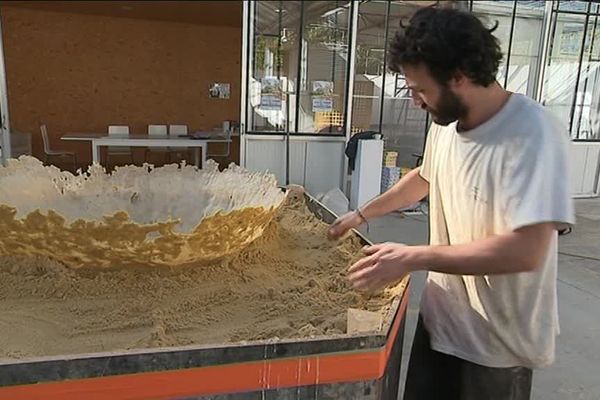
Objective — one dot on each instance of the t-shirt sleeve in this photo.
(536, 184)
(426, 165)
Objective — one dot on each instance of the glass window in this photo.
(563, 65)
(369, 66)
(300, 54)
(497, 12)
(381, 101)
(573, 5)
(324, 66)
(586, 110)
(518, 71)
(572, 75)
(524, 50)
(274, 67)
(288, 36)
(403, 125)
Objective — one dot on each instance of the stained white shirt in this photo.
(507, 173)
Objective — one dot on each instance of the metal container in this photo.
(341, 367)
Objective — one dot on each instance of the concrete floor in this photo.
(574, 375)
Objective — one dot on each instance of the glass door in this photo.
(295, 107)
(298, 67)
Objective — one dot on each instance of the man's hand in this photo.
(343, 224)
(383, 264)
(408, 190)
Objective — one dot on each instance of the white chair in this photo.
(177, 130)
(157, 130)
(48, 152)
(226, 146)
(118, 130)
(20, 143)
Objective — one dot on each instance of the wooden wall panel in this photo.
(80, 73)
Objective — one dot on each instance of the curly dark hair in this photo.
(447, 41)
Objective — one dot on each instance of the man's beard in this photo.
(449, 109)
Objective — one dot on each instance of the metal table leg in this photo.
(95, 152)
(204, 150)
(197, 156)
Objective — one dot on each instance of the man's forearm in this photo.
(410, 189)
(519, 251)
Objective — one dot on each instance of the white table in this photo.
(135, 140)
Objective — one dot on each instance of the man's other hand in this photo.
(383, 264)
(343, 224)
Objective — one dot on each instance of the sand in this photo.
(172, 216)
(290, 283)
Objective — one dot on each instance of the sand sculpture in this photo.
(137, 216)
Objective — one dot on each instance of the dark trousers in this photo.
(433, 375)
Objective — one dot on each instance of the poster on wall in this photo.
(322, 96)
(219, 90)
(270, 94)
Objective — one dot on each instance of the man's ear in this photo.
(457, 80)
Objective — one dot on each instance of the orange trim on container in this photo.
(230, 378)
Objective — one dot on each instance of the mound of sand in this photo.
(289, 283)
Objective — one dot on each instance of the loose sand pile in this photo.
(290, 283)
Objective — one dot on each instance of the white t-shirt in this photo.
(507, 173)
